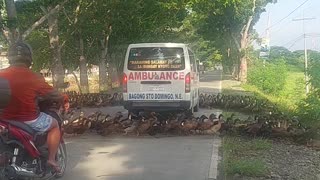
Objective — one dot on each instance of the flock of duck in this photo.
(182, 123)
(78, 100)
(265, 120)
(238, 102)
(269, 120)
(144, 123)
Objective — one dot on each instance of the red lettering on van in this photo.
(156, 76)
(175, 76)
(137, 75)
(169, 75)
(181, 76)
(162, 76)
(144, 76)
(150, 75)
(131, 77)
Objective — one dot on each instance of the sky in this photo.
(289, 33)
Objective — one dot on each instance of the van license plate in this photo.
(157, 89)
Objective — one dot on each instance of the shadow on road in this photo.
(137, 158)
(211, 76)
(210, 82)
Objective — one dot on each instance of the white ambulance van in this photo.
(160, 77)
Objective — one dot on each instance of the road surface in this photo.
(92, 157)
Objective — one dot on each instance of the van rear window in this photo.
(156, 59)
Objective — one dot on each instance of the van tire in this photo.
(191, 111)
(196, 108)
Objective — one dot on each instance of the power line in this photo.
(288, 15)
(312, 34)
(294, 43)
(280, 28)
(290, 42)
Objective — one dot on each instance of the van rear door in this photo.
(156, 73)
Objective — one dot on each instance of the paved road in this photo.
(92, 157)
(210, 82)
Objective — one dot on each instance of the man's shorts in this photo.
(42, 123)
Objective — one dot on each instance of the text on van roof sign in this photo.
(154, 64)
(156, 58)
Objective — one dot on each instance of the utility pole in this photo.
(268, 38)
(265, 44)
(303, 19)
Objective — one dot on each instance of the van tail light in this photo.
(125, 83)
(187, 83)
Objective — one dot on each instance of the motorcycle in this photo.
(24, 152)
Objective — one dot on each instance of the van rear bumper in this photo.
(157, 106)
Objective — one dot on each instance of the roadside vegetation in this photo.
(241, 156)
(280, 81)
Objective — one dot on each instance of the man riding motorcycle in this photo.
(26, 88)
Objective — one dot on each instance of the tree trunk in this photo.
(109, 75)
(57, 68)
(243, 46)
(13, 33)
(243, 69)
(103, 78)
(77, 81)
(103, 84)
(119, 66)
(120, 62)
(112, 72)
(83, 69)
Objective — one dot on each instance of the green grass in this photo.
(232, 143)
(232, 87)
(247, 167)
(292, 93)
(287, 99)
(241, 156)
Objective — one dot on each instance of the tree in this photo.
(77, 31)
(12, 33)
(125, 22)
(228, 24)
(14, 26)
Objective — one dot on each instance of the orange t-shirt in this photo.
(26, 86)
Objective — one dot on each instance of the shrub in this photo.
(309, 108)
(314, 75)
(270, 78)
